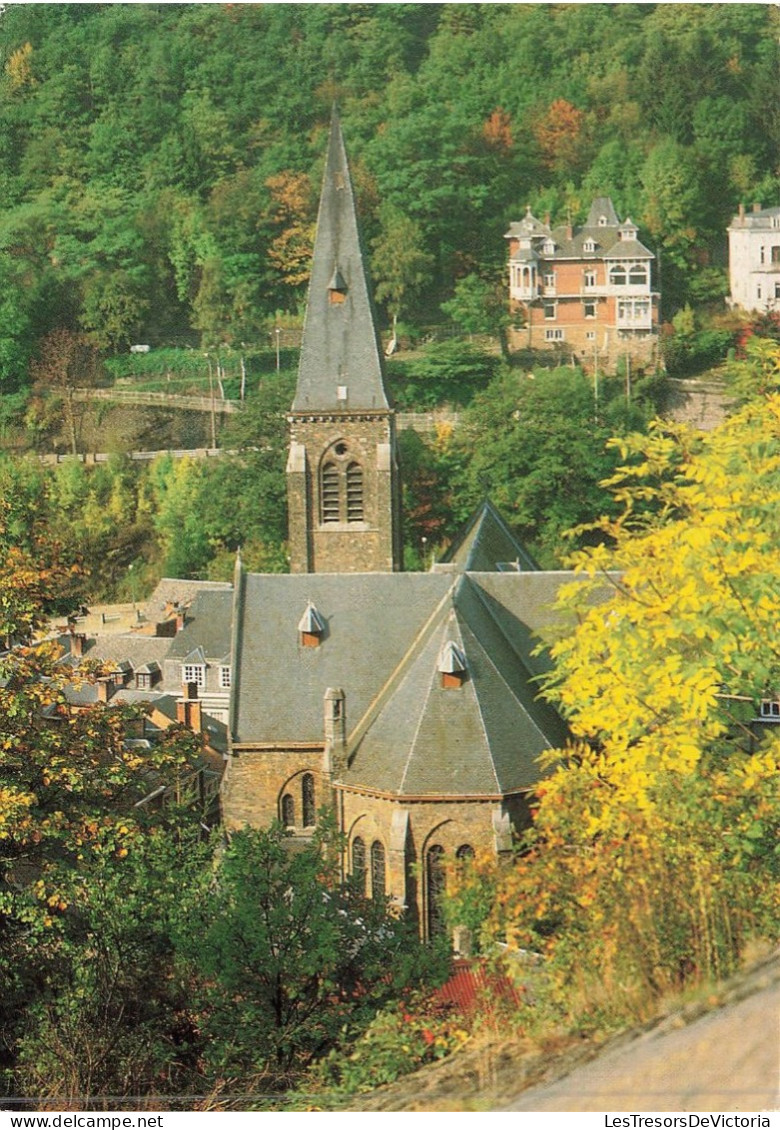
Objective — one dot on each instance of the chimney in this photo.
(181, 618)
(77, 641)
(569, 231)
(741, 212)
(104, 688)
(335, 731)
(188, 710)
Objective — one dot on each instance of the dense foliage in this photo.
(161, 163)
(654, 854)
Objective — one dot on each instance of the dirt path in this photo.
(727, 1060)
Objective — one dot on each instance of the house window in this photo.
(359, 864)
(354, 493)
(464, 853)
(307, 796)
(589, 309)
(589, 247)
(617, 276)
(549, 311)
(770, 708)
(224, 678)
(777, 290)
(762, 255)
(435, 885)
(590, 335)
(553, 335)
(776, 253)
(758, 291)
(329, 493)
(378, 884)
(637, 276)
(194, 673)
(549, 279)
(589, 279)
(288, 811)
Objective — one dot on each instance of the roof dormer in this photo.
(452, 665)
(311, 627)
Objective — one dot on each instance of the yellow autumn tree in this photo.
(654, 855)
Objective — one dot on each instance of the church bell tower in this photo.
(343, 487)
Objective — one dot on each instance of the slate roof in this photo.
(171, 591)
(207, 626)
(339, 349)
(482, 738)
(384, 636)
(487, 543)
(570, 241)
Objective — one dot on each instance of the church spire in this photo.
(343, 486)
(340, 366)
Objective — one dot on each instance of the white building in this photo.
(754, 259)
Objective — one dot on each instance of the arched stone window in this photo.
(436, 885)
(288, 811)
(307, 796)
(378, 881)
(359, 864)
(329, 492)
(464, 853)
(354, 493)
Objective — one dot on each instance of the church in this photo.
(405, 703)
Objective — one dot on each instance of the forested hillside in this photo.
(160, 164)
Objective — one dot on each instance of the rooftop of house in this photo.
(757, 219)
(602, 236)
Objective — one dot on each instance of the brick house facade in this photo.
(586, 292)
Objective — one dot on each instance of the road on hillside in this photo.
(727, 1060)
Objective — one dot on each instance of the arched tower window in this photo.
(377, 870)
(436, 884)
(288, 811)
(307, 796)
(354, 493)
(464, 853)
(329, 493)
(359, 864)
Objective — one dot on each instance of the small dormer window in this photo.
(337, 288)
(548, 248)
(311, 627)
(452, 666)
(589, 246)
(602, 221)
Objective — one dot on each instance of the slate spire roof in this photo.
(340, 367)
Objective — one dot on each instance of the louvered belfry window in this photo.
(330, 493)
(354, 493)
(341, 489)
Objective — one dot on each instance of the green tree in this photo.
(287, 957)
